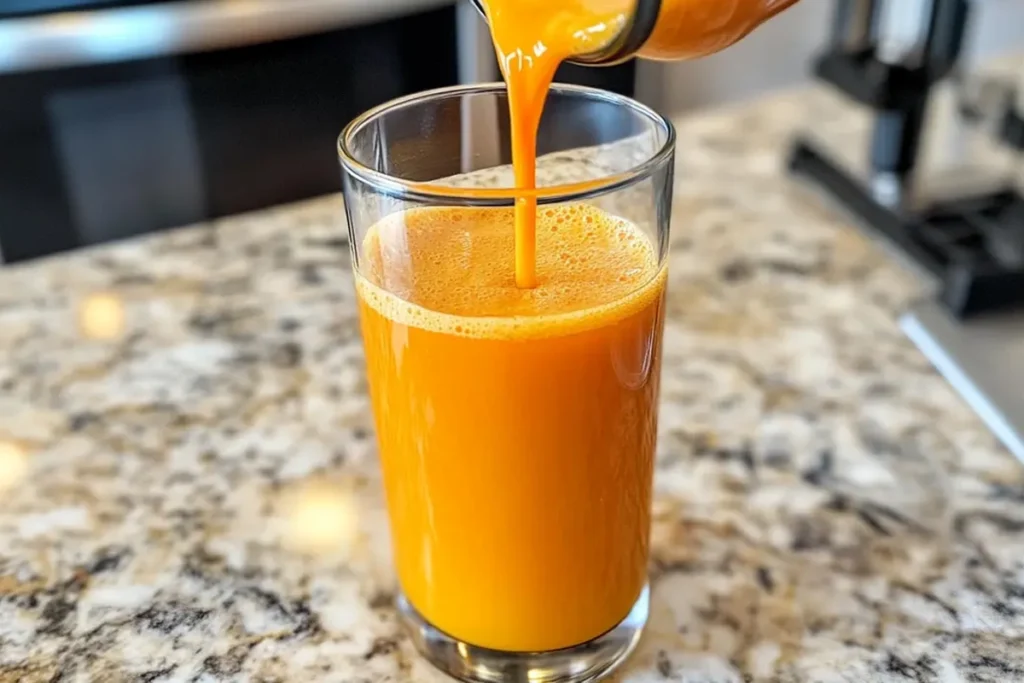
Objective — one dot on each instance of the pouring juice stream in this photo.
(533, 37)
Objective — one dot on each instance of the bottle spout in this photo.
(637, 30)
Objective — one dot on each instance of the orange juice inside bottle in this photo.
(516, 426)
(694, 28)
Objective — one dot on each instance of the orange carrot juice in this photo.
(516, 426)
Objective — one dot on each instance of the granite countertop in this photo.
(190, 490)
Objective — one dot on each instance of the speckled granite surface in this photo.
(190, 490)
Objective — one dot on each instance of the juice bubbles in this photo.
(516, 426)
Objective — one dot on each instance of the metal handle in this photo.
(855, 23)
(114, 35)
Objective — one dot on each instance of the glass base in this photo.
(588, 661)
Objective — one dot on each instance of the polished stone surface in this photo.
(190, 490)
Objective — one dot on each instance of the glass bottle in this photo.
(670, 30)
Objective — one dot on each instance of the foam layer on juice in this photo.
(451, 270)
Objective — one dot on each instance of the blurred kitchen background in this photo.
(120, 117)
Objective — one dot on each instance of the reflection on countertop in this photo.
(190, 490)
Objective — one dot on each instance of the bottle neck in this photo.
(637, 30)
(633, 36)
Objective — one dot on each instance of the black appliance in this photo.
(972, 244)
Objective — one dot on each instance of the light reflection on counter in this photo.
(14, 464)
(322, 518)
(101, 316)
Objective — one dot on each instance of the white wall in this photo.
(779, 53)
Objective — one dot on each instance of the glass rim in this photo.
(433, 192)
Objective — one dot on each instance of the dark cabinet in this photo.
(101, 152)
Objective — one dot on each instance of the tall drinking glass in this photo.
(516, 428)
